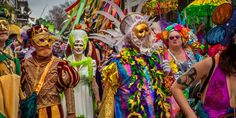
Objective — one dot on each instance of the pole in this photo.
(43, 10)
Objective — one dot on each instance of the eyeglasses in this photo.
(173, 37)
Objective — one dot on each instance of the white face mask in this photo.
(79, 46)
(145, 44)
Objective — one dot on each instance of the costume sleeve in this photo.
(22, 73)
(9, 95)
(68, 79)
(110, 80)
(22, 79)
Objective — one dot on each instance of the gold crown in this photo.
(38, 30)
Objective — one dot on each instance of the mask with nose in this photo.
(78, 40)
(138, 32)
(41, 36)
(141, 38)
(4, 26)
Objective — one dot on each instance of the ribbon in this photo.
(79, 13)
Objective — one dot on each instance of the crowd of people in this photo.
(134, 73)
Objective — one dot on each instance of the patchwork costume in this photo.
(134, 81)
(47, 79)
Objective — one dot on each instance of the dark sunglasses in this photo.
(173, 37)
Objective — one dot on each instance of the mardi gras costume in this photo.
(9, 80)
(48, 78)
(86, 67)
(134, 84)
(178, 67)
(188, 38)
(217, 98)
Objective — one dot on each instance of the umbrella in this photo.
(200, 9)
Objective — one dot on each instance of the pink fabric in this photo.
(217, 96)
(174, 107)
(128, 69)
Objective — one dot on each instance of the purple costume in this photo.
(217, 96)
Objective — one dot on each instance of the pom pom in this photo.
(165, 35)
(178, 27)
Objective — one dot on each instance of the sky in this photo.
(37, 6)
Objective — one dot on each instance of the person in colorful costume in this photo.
(9, 73)
(218, 99)
(179, 54)
(86, 67)
(57, 49)
(53, 74)
(134, 84)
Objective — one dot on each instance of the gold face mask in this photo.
(4, 25)
(44, 41)
(141, 30)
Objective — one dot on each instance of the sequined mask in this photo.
(42, 37)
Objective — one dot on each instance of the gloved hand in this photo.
(166, 66)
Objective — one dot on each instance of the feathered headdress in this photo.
(124, 25)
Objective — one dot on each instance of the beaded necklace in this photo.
(143, 67)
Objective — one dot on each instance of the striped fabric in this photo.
(51, 112)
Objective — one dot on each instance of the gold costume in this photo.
(9, 86)
(110, 78)
(60, 77)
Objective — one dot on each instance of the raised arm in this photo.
(198, 72)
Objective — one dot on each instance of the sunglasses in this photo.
(173, 37)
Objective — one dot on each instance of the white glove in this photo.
(166, 66)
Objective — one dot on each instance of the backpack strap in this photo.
(199, 94)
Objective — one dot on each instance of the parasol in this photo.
(200, 9)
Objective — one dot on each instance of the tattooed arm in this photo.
(187, 78)
(198, 72)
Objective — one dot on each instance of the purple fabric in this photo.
(217, 96)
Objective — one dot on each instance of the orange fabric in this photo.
(43, 113)
(54, 110)
(9, 95)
